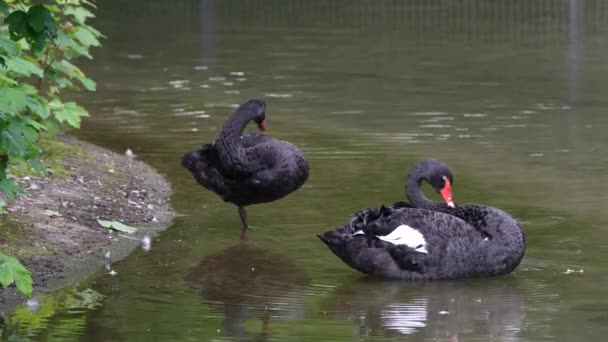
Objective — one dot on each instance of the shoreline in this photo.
(52, 227)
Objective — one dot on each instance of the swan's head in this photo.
(257, 108)
(438, 175)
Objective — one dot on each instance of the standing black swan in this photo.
(429, 240)
(248, 168)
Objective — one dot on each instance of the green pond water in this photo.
(510, 94)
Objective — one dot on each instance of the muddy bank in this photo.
(52, 228)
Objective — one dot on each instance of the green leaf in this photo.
(86, 37)
(37, 41)
(12, 271)
(37, 125)
(13, 100)
(23, 67)
(90, 3)
(117, 226)
(71, 71)
(37, 107)
(23, 280)
(9, 47)
(79, 13)
(68, 112)
(4, 9)
(9, 188)
(37, 166)
(63, 82)
(30, 134)
(42, 22)
(87, 83)
(6, 275)
(95, 32)
(71, 47)
(7, 80)
(17, 24)
(12, 141)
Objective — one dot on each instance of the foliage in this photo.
(38, 44)
(23, 321)
(12, 271)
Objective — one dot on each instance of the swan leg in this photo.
(243, 215)
(265, 326)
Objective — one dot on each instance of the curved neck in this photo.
(230, 149)
(417, 199)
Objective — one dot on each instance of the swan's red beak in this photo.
(262, 125)
(446, 193)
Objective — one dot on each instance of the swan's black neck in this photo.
(417, 199)
(229, 145)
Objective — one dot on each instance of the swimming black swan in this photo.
(248, 168)
(429, 240)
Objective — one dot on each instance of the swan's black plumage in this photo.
(466, 241)
(248, 168)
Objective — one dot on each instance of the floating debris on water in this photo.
(146, 243)
(33, 305)
(134, 56)
(569, 271)
(474, 115)
(278, 95)
(429, 113)
(178, 83)
(201, 67)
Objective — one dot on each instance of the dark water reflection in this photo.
(246, 282)
(509, 93)
(455, 311)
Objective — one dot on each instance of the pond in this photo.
(510, 94)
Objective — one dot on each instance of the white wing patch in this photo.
(406, 235)
(358, 232)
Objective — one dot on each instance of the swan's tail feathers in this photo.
(205, 167)
(336, 237)
(201, 157)
(189, 160)
(361, 219)
(369, 220)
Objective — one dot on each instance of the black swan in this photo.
(429, 240)
(248, 168)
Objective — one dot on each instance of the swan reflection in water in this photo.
(454, 311)
(247, 282)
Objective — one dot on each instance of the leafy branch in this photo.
(12, 271)
(38, 44)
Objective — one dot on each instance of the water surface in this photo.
(508, 93)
